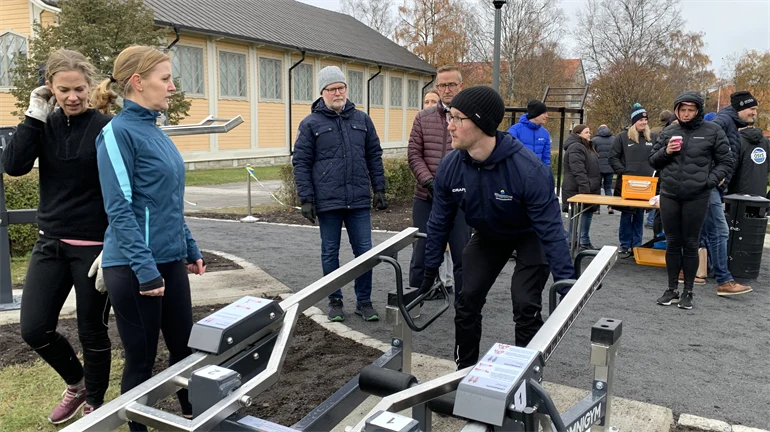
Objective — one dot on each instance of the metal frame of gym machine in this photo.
(246, 355)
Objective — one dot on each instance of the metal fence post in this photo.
(249, 218)
(7, 300)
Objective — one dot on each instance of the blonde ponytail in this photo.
(102, 98)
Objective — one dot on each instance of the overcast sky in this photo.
(730, 26)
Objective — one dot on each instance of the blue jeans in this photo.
(650, 217)
(631, 228)
(716, 232)
(359, 229)
(606, 181)
(585, 226)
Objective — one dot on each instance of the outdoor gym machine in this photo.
(239, 353)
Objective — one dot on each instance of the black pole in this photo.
(563, 113)
(6, 288)
(288, 137)
(368, 88)
(432, 78)
(176, 31)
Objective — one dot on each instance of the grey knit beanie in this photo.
(330, 75)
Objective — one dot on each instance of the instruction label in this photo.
(500, 368)
(234, 312)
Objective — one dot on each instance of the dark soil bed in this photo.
(397, 217)
(318, 363)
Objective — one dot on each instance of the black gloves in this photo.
(428, 280)
(429, 185)
(308, 211)
(380, 203)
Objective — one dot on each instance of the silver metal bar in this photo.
(323, 287)
(403, 333)
(206, 126)
(603, 359)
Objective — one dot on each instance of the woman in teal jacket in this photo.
(147, 241)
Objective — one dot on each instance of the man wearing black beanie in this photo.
(508, 197)
(530, 131)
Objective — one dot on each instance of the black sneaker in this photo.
(669, 297)
(589, 246)
(367, 312)
(336, 313)
(686, 301)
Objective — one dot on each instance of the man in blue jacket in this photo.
(508, 198)
(530, 131)
(337, 156)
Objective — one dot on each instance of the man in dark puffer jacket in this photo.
(689, 170)
(603, 142)
(429, 142)
(336, 156)
(741, 112)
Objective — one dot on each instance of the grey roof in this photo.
(290, 24)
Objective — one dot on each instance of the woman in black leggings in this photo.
(692, 157)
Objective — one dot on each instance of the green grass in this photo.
(229, 175)
(29, 392)
(19, 269)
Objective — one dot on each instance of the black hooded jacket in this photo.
(603, 143)
(751, 166)
(704, 160)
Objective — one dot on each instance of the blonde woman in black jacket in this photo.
(693, 157)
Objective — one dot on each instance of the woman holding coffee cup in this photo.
(692, 156)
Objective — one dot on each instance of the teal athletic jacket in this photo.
(142, 178)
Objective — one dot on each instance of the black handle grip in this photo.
(406, 308)
(552, 300)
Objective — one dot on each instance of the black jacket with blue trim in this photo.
(336, 156)
(510, 193)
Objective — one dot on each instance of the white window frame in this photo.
(25, 51)
(350, 86)
(396, 89)
(245, 74)
(381, 79)
(295, 87)
(259, 79)
(412, 94)
(203, 85)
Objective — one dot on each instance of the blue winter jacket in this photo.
(336, 155)
(142, 177)
(727, 118)
(534, 137)
(508, 194)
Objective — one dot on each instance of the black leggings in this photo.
(682, 222)
(141, 318)
(53, 268)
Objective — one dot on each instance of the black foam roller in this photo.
(444, 404)
(384, 382)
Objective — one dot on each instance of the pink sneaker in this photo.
(88, 409)
(73, 399)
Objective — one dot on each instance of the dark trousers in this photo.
(359, 227)
(141, 318)
(682, 222)
(53, 268)
(484, 259)
(458, 239)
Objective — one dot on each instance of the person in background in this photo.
(531, 132)
(653, 222)
(147, 241)
(71, 224)
(629, 156)
(431, 98)
(752, 168)
(693, 157)
(603, 144)
(582, 175)
(710, 116)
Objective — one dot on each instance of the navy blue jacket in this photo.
(603, 142)
(142, 178)
(510, 193)
(727, 118)
(534, 137)
(336, 155)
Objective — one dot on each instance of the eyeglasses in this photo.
(340, 89)
(444, 86)
(456, 119)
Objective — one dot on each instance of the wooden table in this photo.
(580, 202)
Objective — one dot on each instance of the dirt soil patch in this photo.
(215, 263)
(397, 217)
(318, 363)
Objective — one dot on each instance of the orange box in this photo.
(650, 257)
(638, 187)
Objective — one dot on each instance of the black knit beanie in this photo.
(483, 105)
(742, 100)
(535, 108)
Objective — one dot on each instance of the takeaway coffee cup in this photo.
(676, 143)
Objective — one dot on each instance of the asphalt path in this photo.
(712, 361)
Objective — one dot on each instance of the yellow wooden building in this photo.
(235, 57)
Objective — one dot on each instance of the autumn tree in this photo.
(752, 73)
(81, 26)
(434, 30)
(376, 14)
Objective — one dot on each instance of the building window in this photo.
(12, 46)
(232, 74)
(413, 95)
(396, 90)
(377, 90)
(303, 83)
(356, 87)
(270, 83)
(187, 67)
